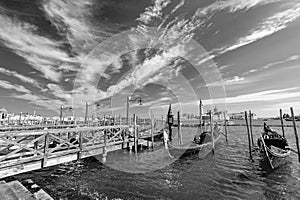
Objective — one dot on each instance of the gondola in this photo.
(201, 145)
(273, 147)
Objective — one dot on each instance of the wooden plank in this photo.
(42, 195)
(46, 142)
(20, 191)
(54, 131)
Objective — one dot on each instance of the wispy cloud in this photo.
(272, 64)
(72, 20)
(154, 11)
(21, 77)
(235, 79)
(42, 53)
(233, 5)
(268, 95)
(292, 58)
(9, 86)
(271, 25)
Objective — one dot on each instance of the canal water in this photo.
(228, 174)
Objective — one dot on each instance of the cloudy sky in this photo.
(232, 53)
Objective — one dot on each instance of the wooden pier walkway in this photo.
(28, 150)
(15, 190)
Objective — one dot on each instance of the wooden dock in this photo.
(23, 151)
(15, 190)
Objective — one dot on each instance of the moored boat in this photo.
(202, 145)
(274, 148)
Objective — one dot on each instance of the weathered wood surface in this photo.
(15, 190)
(26, 151)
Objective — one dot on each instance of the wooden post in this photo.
(104, 148)
(86, 114)
(60, 115)
(162, 119)
(135, 133)
(225, 126)
(295, 131)
(80, 145)
(127, 111)
(281, 120)
(249, 140)
(20, 118)
(179, 128)
(250, 121)
(200, 116)
(36, 144)
(124, 139)
(212, 131)
(152, 131)
(46, 145)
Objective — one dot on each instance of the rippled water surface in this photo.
(227, 174)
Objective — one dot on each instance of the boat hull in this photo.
(192, 148)
(272, 158)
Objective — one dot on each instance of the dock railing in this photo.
(22, 151)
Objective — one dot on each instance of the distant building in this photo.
(240, 116)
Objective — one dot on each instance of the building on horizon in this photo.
(240, 116)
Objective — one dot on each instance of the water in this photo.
(227, 174)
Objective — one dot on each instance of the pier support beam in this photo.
(212, 131)
(104, 148)
(135, 134)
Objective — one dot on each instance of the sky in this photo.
(234, 54)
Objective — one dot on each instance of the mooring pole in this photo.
(212, 131)
(250, 121)
(60, 114)
(281, 121)
(200, 116)
(295, 131)
(86, 114)
(179, 128)
(20, 118)
(135, 133)
(115, 119)
(127, 111)
(152, 132)
(170, 121)
(225, 126)
(249, 140)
